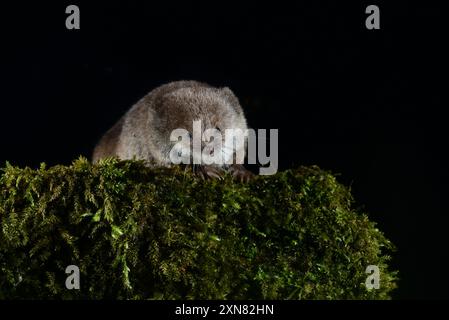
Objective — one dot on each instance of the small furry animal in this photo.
(144, 131)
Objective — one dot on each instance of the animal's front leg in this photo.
(240, 173)
(209, 172)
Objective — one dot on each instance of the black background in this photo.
(367, 104)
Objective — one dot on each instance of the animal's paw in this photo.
(240, 173)
(209, 172)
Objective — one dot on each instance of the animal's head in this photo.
(205, 125)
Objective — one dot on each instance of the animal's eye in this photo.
(189, 134)
(217, 128)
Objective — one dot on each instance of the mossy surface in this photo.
(138, 233)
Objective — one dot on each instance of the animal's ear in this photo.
(232, 99)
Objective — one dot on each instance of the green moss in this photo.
(138, 233)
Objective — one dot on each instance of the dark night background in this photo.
(367, 104)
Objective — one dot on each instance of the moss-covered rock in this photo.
(138, 233)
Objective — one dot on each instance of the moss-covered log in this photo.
(138, 233)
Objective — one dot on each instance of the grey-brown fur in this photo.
(144, 131)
